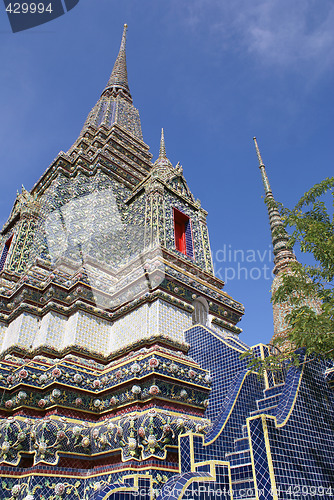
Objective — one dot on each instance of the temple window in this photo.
(5, 252)
(182, 233)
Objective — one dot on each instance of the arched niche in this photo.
(200, 314)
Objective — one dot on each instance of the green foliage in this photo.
(306, 290)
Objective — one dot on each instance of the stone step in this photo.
(241, 473)
(269, 401)
(237, 458)
(263, 410)
(241, 444)
(272, 391)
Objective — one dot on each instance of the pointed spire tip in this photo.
(119, 76)
(257, 149)
(265, 180)
(162, 150)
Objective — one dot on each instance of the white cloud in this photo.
(284, 32)
(277, 32)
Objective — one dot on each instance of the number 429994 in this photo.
(29, 8)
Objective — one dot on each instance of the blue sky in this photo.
(213, 73)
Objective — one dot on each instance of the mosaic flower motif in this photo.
(141, 432)
(183, 393)
(110, 427)
(136, 389)
(167, 428)
(60, 489)
(153, 363)
(56, 372)
(96, 383)
(21, 436)
(15, 491)
(191, 374)
(61, 435)
(85, 442)
(41, 403)
(77, 378)
(78, 401)
(152, 441)
(118, 374)
(5, 447)
(9, 403)
(22, 395)
(56, 393)
(208, 378)
(135, 368)
(132, 443)
(43, 378)
(173, 368)
(23, 373)
(199, 427)
(97, 403)
(97, 486)
(180, 422)
(113, 400)
(206, 403)
(10, 379)
(119, 431)
(95, 433)
(154, 390)
(103, 440)
(76, 431)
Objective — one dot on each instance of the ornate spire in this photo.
(115, 103)
(265, 180)
(118, 81)
(162, 150)
(162, 166)
(279, 236)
